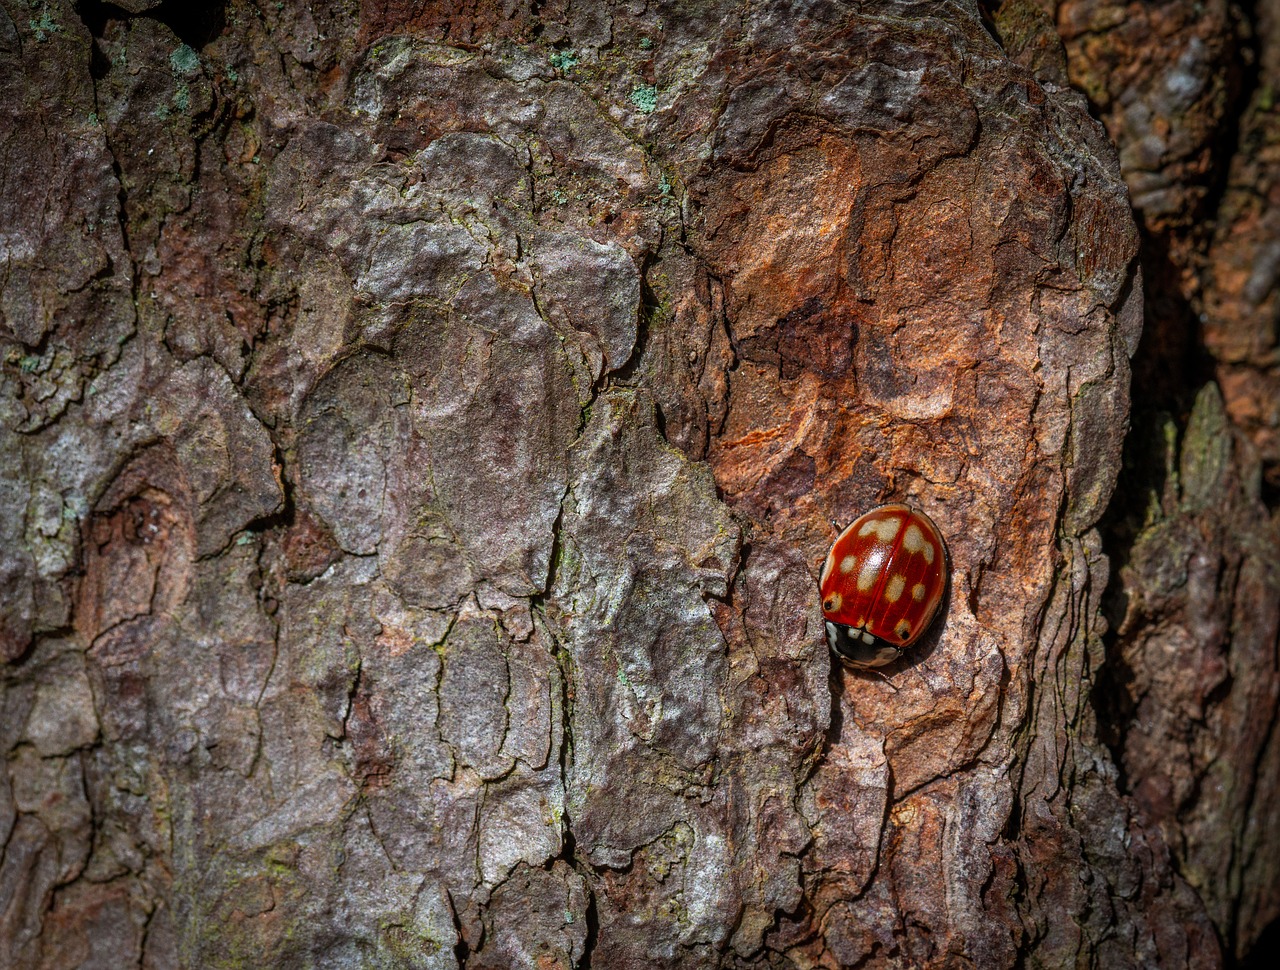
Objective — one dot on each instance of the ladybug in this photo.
(881, 585)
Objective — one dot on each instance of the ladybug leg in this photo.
(883, 676)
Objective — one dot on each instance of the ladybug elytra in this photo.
(881, 584)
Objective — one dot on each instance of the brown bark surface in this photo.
(1190, 696)
(421, 425)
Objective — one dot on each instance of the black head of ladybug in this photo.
(858, 648)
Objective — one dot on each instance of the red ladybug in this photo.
(881, 584)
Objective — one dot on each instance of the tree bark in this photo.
(421, 425)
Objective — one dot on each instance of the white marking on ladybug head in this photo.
(867, 637)
(884, 529)
(848, 563)
(893, 591)
(917, 592)
(886, 655)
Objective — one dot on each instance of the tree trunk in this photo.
(421, 426)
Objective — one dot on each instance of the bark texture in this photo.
(422, 424)
(1190, 696)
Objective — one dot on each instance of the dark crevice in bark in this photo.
(99, 63)
(1245, 69)
(95, 14)
(1170, 366)
(538, 601)
(836, 725)
(353, 689)
(461, 949)
(195, 24)
(1115, 704)
(569, 843)
(1172, 362)
(570, 856)
(1270, 493)
(99, 66)
(593, 932)
(1264, 944)
(650, 306)
(283, 518)
(986, 14)
(1237, 141)
(1262, 956)
(1143, 474)
(146, 934)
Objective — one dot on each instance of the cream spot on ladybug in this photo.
(893, 591)
(833, 602)
(903, 629)
(826, 567)
(884, 529)
(917, 592)
(913, 541)
(848, 563)
(868, 575)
